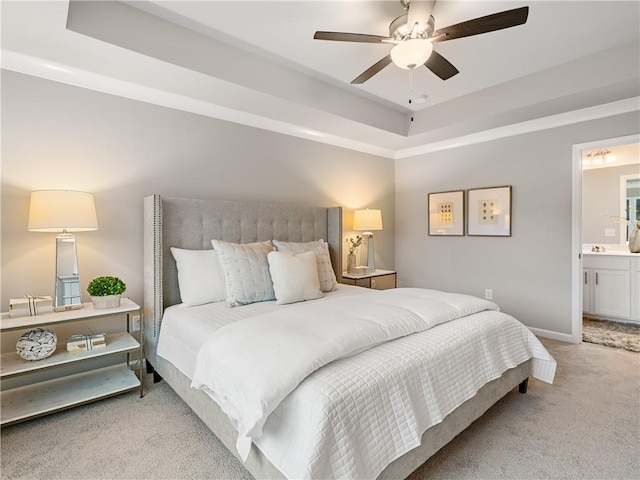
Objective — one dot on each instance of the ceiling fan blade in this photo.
(372, 70)
(419, 11)
(441, 66)
(489, 23)
(350, 37)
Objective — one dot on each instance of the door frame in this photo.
(623, 196)
(576, 225)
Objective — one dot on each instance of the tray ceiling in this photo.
(257, 63)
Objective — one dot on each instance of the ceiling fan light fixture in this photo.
(411, 53)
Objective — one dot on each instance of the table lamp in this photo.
(64, 211)
(368, 220)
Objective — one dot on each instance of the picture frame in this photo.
(489, 211)
(446, 213)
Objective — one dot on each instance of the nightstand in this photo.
(378, 279)
(67, 391)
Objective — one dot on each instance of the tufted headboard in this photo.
(192, 223)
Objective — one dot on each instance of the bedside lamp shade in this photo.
(368, 220)
(64, 211)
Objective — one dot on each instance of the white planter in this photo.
(107, 301)
(634, 241)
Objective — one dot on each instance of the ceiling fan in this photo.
(413, 35)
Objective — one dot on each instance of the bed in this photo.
(357, 396)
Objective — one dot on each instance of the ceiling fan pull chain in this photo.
(410, 86)
(411, 89)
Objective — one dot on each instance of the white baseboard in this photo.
(563, 337)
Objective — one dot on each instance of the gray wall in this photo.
(529, 272)
(601, 200)
(59, 136)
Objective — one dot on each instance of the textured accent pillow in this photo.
(200, 276)
(295, 277)
(246, 271)
(326, 275)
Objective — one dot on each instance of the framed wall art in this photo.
(446, 213)
(489, 211)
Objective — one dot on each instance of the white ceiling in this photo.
(284, 32)
(257, 63)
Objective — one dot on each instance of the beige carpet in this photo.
(585, 426)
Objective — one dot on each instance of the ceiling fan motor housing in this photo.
(399, 29)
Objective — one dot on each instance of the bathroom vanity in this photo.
(611, 285)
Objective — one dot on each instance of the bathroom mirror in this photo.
(610, 190)
(67, 295)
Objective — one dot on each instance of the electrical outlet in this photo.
(609, 232)
(488, 294)
(136, 323)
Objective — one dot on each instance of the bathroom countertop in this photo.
(613, 253)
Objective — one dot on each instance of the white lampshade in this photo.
(62, 210)
(411, 53)
(368, 219)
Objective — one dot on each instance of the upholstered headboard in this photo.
(192, 223)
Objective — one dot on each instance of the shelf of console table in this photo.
(13, 364)
(51, 396)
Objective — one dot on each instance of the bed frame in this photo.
(192, 223)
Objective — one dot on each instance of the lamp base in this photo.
(66, 308)
(371, 261)
(68, 295)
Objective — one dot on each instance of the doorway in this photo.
(580, 151)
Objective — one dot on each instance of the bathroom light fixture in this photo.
(64, 211)
(368, 220)
(598, 157)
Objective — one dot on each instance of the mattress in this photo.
(351, 418)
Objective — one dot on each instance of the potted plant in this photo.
(105, 291)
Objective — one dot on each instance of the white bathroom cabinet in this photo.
(611, 286)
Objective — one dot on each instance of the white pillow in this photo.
(295, 277)
(200, 276)
(246, 271)
(326, 275)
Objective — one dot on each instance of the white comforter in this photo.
(251, 366)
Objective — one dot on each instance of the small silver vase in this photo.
(634, 241)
